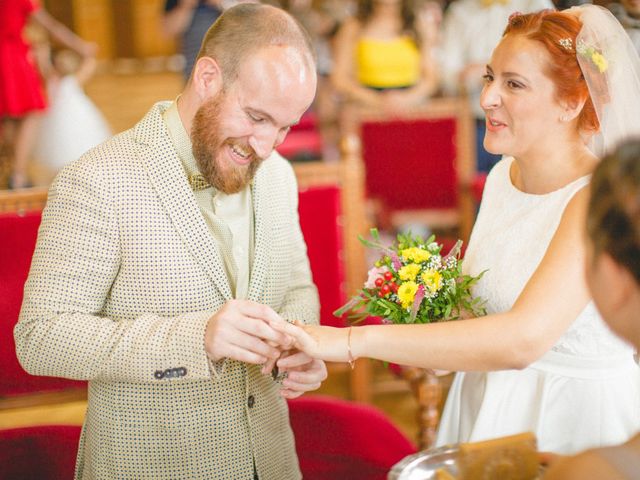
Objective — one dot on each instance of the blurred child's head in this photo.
(66, 62)
(613, 229)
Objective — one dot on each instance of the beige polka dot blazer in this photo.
(124, 278)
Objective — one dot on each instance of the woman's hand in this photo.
(325, 343)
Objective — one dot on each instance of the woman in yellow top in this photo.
(383, 55)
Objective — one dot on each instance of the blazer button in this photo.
(251, 401)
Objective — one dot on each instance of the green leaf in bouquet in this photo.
(376, 241)
(350, 305)
(445, 290)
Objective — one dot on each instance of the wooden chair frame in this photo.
(457, 108)
(23, 200)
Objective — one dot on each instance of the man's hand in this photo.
(240, 331)
(304, 373)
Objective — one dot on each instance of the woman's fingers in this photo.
(293, 360)
(295, 333)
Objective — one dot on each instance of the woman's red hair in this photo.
(549, 27)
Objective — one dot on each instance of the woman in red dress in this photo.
(22, 96)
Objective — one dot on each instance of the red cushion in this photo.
(301, 143)
(308, 121)
(410, 164)
(320, 214)
(18, 235)
(338, 439)
(39, 453)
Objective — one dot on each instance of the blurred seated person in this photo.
(384, 56)
(613, 275)
(628, 13)
(322, 21)
(471, 30)
(189, 20)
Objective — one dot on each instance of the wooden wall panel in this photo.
(121, 28)
(137, 27)
(147, 26)
(93, 21)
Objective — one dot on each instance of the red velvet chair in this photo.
(18, 233)
(338, 439)
(419, 167)
(45, 452)
(304, 142)
(320, 220)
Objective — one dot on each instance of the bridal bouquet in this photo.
(413, 283)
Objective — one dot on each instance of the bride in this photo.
(561, 88)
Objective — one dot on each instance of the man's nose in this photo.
(264, 141)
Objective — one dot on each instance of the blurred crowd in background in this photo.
(387, 55)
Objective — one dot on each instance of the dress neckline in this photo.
(512, 187)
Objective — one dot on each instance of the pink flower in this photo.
(374, 274)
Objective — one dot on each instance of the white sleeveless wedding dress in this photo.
(584, 392)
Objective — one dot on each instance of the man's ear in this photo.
(207, 77)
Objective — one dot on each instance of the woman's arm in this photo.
(63, 34)
(86, 70)
(551, 300)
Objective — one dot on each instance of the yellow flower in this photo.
(596, 57)
(409, 272)
(599, 61)
(406, 293)
(432, 279)
(415, 254)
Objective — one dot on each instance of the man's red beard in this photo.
(207, 143)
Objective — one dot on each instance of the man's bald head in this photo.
(245, 29)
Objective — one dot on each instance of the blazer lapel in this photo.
(261, 225)
(167, 176)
